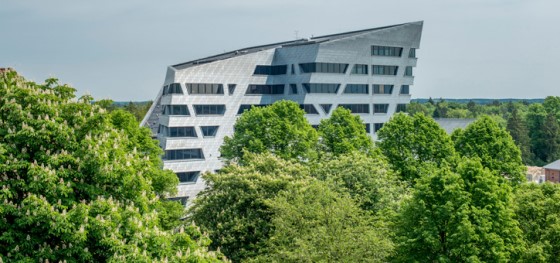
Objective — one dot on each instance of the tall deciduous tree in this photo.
(343, 133)
(281, 129)
(78, 184)
(536, 121)
(411, 142)
(494, 146)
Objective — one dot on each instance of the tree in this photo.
(520, 134)
(235, 210)
(312, 223)
(457, 217)
(552, 106)
(538, 211)
(77, 185)
(543, 136)
(411, 142)
(343, 133)
(494, 146)
(281, 129)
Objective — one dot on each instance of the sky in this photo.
(120, 49)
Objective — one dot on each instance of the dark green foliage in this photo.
(411, 142)
(281, 129)
(343, 133)
(494, 146)
(520, 134)
(81, 185)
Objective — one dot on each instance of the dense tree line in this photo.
(79, 183)
(534, 127)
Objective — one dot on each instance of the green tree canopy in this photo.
(343, 133)
(409, 142)
(81, 185)
(494, 146)
(313, 223)
(519, 132)
(280, 128)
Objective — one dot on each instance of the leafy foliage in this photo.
(81, 185)
(343, 133)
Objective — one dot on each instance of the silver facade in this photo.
(238, 68)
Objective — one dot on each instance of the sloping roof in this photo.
(451, 124)
(553, 166)
(303, 41)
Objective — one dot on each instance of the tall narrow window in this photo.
(405, 90)
(357, 88)
(210, 109)
(231, 88)
(321, 87)
(204, 88)
(385, 70)
(380, 108)
(408, 71)
(360, 69)
(308, 108)
(382, 89)
(293, 88)
(412, 53)
(386, 51)
(367, 127)
(209, 131)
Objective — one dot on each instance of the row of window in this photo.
(270, 70)
(189, 131)
(391, 51)
(209, 131)
(322, 67)
(184, 154)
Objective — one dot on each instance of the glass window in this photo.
(204, 88)
(183, 200)
(176, 110)
(382, 89)
(271, 70)
(401, 108)
(405, 89)
(216, 109)
(246, 107)
(408, 71)
(265, 89)
(380, 108)
(326, 107)
(184, 154)
(308, 108)
(412, 53)
(385, 70)
(356, 108)
(231, 88)
(293, 88)
(360, 69)
(377, 126)
(386, 51)
(367, 127)
(188, 177)
(209, 131)
(321, 87)
(357, 88)
(181, 132)
(173, 88)
(323, 67)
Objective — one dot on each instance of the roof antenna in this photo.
(296, 34)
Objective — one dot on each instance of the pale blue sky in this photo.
(120, 49)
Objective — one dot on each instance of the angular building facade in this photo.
(369, 72)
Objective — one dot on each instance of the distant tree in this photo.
(537, 123)
(552, 105)
(431, 101)
(458, 113)
(343, 133)
(520, 133)
(409, 142)
(494, 146)
(79, 184)
(315, 224)
(281, 129)
(551, 134)
(235, 210)
(458, 217)
(538, 211)
(416, 107)
(471, 106)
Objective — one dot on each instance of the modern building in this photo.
(369, 72)
(552, 172)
